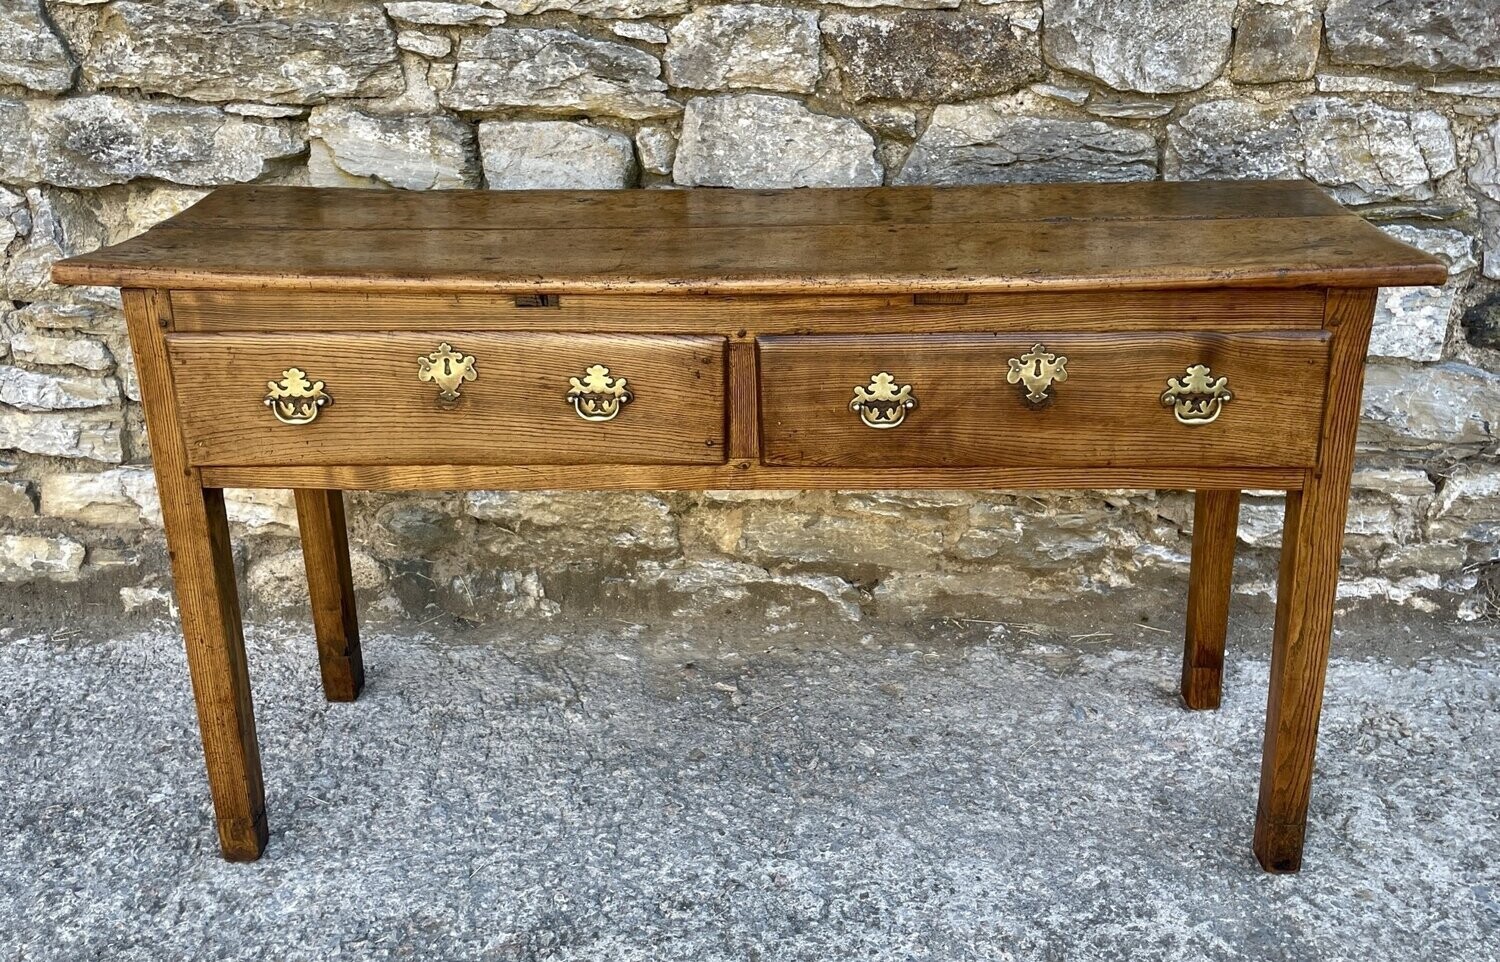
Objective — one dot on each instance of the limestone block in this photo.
(554, 154)
(93, 435)
(744, 45)
(287, 51)
(31, 54)
(930, 56)
(556, 70)
(445, 14)
(121, 496)
(762, 141)
(656, 147)
(56, 350)
(1413, 322)
(1437, 35)
(33, 558)
(1150, 46)
(974, 144)
(1468, 506)
(1276, 42)
(104, 139)
(1433, 406)
(1363, 151)
(42, 391)
(412, 153)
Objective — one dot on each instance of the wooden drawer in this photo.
(1107, 413)
(516, 410)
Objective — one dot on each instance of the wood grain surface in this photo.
(516, 412)
(197, 531)
(740, 475)
(1237, 309)
(259, 206)
(1216, 516)
(1107, 414)
(1311, 545)
(330, 589)
(744, 401)
(892, 240)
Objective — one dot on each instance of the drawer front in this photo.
(550, 398)
(965, 408)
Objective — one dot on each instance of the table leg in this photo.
(1216, 517)
(330, 585)
(203, 569)
(1311, 542)
(197, 533)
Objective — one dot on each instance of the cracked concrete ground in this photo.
(600, 790)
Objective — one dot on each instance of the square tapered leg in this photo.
(1215, 519)
(197, 532)
(330, 585)
(1311, 543)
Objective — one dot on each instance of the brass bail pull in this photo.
(295, 399)
(882, 404)
(1197, 397)
(597, 396)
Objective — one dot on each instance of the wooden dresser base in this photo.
(837, 339)
(198, 536)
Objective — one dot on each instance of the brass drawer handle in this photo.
(1197, 398)
(597, 396)
(882, 404)
(1036, 371)
(294, 399)
(447, 368)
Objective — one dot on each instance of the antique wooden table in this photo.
(1204, 336)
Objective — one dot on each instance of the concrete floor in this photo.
(607, 791)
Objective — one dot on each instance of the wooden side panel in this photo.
(515, 412)
(327, 312)
(1108, 412)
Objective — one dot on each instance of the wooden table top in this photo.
(888, 240)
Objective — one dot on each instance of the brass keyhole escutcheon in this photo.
(295, 399)
(597, 396)
(1036, 371)
(1198, 397)
(448, 369)
(882, 404)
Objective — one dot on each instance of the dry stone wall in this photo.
(114, 114)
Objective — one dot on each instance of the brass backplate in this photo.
(1036, 371)
(1198, 397)
(295, 399)
(448, 369)
(597, 396)
(882, 403)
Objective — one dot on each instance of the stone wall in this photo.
(116, 113)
